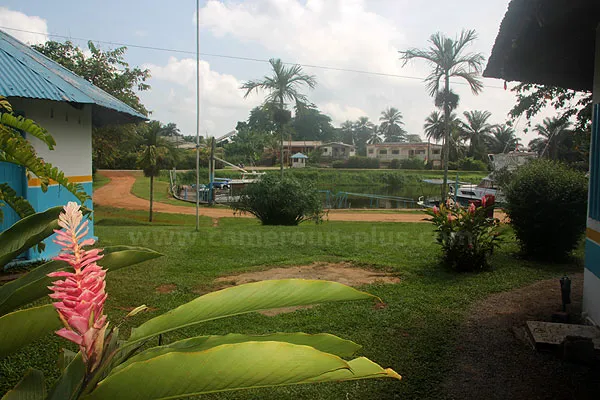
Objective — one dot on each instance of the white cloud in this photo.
(173, 97)
(362, 35)
(340, 113)
(18, 20)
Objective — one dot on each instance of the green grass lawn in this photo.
(415, 334)
(99, 181)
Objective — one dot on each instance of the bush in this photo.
(547, 205)
(393, 179)
(395, 164)
(277, 201)
(357, 162)
(413, 163)
(467, 235)
(470, 164)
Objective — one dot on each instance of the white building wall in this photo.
(71, 129)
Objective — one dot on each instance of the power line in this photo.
(171, 50)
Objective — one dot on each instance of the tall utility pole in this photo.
(197, 114)
(211, 164)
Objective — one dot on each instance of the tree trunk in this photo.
(446, 155)
(281, 136)
(151, 196)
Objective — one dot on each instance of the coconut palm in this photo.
(477, 131)
(553, 131)
(363, 129)
(347, 132)
(391, 125)
(434, 125)
(503, 139)
(156, 153)
(284, 85)
(375, 137)
(448, 58)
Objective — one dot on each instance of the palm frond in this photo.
(27, 126)
(18, 203)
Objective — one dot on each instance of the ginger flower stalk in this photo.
(81, 294)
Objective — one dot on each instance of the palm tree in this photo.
(435, 127)
(347, 129)
(284, 84)
(553, 131)
(448, 58)
(363, 130)
(156, 153)
(477, 131)
(503, 139)
(391, 125)
(375, 138)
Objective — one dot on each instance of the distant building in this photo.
(337, 150)
(299, 160)
(386, 152)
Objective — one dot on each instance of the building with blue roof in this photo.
(67, 106)
(299, 160)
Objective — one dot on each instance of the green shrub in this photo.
(467, 235)
(394, 179)
(470, 164)
(357, 162)
(547, 206)
(395, 164)
(413, 163)
(281, 201)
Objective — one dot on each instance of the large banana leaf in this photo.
(226, 367)
(22, 327)
(247, 298)
(360, 368)
(31, 387)
(34, 284)
(26, 233)
(324, 342)
(70, 381)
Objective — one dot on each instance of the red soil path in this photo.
(117, 193)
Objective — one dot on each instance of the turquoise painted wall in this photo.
(56, 195)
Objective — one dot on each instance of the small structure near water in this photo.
(299, 160)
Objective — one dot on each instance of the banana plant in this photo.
(109, 368)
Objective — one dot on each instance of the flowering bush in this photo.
(467, 235)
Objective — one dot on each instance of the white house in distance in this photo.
(337, 150)
(386, 152)
(67, 106)
(299, 160)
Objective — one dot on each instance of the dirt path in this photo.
(492, 361)
(117, 193)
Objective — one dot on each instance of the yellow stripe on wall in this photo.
(71, 179)
(593, 235)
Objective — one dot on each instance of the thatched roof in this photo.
(550, 42)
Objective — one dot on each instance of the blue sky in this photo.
(355, 34)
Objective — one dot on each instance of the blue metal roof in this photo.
(25, 72)
(299, 155)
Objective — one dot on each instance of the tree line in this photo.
(564, 137)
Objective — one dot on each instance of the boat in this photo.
(504, 161)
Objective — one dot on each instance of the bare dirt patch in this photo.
(344, 273)
(166, 288)
(493, 362)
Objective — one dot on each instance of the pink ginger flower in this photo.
(436, 210)
(81, 293)
(471, 209)
(451, 217)
(483, 201)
